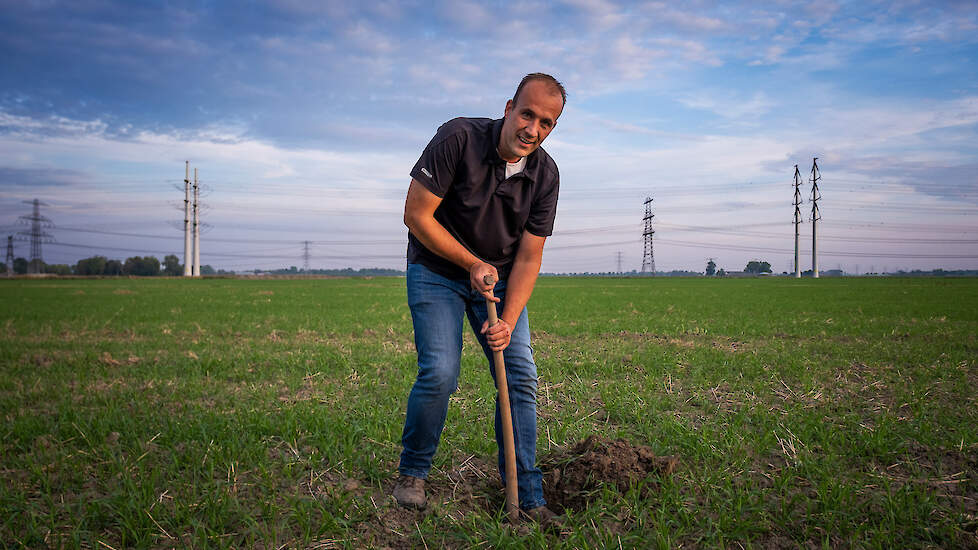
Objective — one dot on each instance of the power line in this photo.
(886, 207)
(592, 245)
(243, 241)
(623, 228)
(723, 231)
(374, 187)
(888, 226)
(284, 256)
(694, 244)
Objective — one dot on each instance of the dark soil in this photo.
(573, 476)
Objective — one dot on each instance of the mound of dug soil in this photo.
(573, 476)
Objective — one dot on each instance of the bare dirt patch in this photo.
(870, 386)
(469, 487)
(952, 473)
(573, 476)
(42, 359)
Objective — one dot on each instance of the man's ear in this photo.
(509, 107)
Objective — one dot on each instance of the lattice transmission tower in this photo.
(10, 256)
(195, 271)
(188, 260)
(797, 220)
(816, 215)
(648, 257)
(37, 235)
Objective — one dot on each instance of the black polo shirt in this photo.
(485, 212)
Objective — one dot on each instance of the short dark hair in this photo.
(555, 85)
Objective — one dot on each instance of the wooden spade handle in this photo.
(502, 390)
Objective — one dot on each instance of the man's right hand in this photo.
(477, 276)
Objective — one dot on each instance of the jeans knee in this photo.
(521, 374)
(522, 385)
(439, 378)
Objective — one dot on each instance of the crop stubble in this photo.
(233, 413)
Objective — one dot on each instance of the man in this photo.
(482, 201)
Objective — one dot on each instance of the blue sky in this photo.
(304, 119)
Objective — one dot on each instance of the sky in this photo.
(303, 120)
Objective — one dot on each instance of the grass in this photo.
(262, 413)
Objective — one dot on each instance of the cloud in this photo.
(43, 177)
(226, 147)
(51, 126)
(599, 15)
(887, 122)
(368, 40)
(309, 10)
(691, 50)
(339, 95)
(729, 107)
(631, 59)
(922, 173)
(909, 23)
(689, 20)
(771, 56)
(467, 14)
(820, 12)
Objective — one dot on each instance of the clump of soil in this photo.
(573, 476)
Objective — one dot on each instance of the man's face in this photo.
(528, 122)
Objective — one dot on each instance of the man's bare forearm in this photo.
(438, 240)
(522, 279)
(419, 217)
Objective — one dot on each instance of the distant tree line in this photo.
(21, 266)
(149, 266)
(753, 267)
(757, 267)
(140, 266)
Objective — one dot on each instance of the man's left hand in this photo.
(497, 335)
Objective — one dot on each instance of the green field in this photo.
(267, 413)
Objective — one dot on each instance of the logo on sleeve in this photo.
(426, 172)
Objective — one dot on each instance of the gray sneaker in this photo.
(409, 492)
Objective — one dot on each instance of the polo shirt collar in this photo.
(492, 155)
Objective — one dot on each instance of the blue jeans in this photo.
(437, 307)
